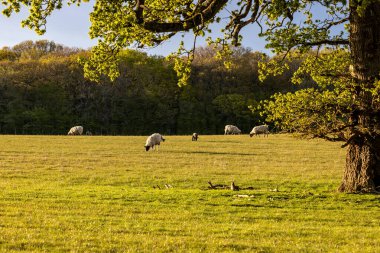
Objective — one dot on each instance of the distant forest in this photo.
(43, 91)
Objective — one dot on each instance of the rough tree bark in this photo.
(362, 173)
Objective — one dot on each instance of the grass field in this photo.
(95, 194)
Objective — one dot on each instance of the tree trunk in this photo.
(362, 173)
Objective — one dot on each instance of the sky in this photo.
(70, 25)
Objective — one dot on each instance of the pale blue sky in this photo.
(69, 26)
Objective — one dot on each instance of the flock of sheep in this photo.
(257, 130)
(156, 138)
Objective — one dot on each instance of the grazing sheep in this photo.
(194, 137)
(231, 129)
(88, 132)
(76, 130)
(153, 140)
(257, 130)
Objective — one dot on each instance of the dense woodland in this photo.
(43, 91)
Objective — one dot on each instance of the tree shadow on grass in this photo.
(213, 153)
(250, 205)
(225, 141)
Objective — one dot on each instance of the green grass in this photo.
(95, 194)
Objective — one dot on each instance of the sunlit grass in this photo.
(95, 194)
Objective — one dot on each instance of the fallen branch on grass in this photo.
(166, 186)
(232, 187)
(217, 186)
(244, 196)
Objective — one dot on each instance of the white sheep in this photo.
(194, 137)
(231, 129)
(76, 130)
(153, 140)
(257, 130)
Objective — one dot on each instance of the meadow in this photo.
(100, 194)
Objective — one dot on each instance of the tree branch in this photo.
(139, 11)
(239, 24)
(326, 42)
(205, 14)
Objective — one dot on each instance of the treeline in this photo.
(42, 91)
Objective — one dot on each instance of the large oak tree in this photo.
(287, 25)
